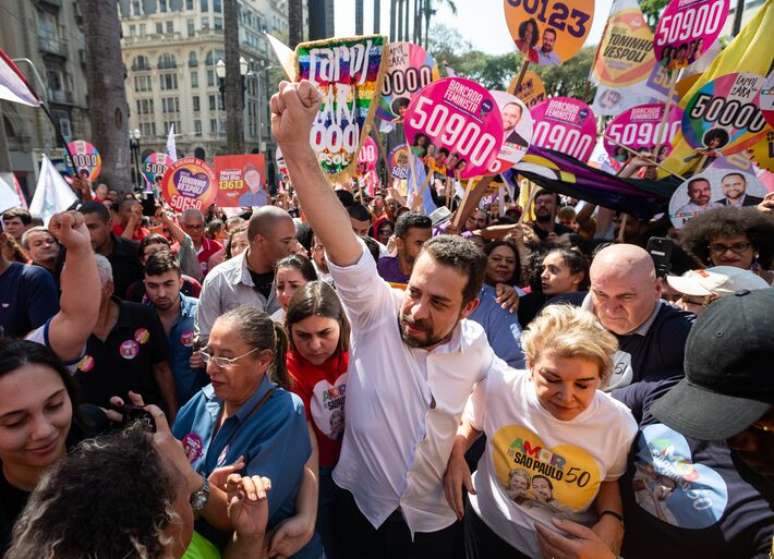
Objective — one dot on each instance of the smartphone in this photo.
(149, 205)
(660, 250)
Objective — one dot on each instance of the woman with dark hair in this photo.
(528, 38)
(317, 361)
(740, 237)
(216, 230)
(247, 416)
(292, 273)
(502, 264)
(39, 420)
(384, 232)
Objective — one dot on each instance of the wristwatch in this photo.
(200, 497)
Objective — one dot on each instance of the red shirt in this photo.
(322, 389)
(208, 248)
(139, 232)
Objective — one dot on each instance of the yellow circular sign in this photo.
(549, 32)
(531, 91)
(763, 152)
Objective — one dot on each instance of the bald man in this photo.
(625, 295)
(247, 279)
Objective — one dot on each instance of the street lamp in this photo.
(134, 144)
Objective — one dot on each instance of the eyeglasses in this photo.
(223, 362)
(193, 226)
(736, 248)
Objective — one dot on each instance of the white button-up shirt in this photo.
(403, 404)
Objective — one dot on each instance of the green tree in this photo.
(570, 79)
(651, 10)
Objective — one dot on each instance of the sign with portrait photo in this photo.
(724, 115)
(686, 29)
(241, 181)
(643, 129)
(720, 185)
(348, 73)
(154, 166)
(409, 69)
(460, 120)
(517, 131)
(566, 125)
(549, 32)
(189, 183)
(399, 162)
(87, 159)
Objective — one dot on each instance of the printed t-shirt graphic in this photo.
(328, 406)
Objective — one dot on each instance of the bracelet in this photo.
(617, 515)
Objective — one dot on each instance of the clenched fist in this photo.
(293, 110)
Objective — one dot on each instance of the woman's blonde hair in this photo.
(568, 332)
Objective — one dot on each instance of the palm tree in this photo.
(429, 11)
(393, 8)
(105, 75)
(295, 22)
(358, 17)
(400, 19)
(377, 15)
(232, 87)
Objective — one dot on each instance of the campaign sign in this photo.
(531, 91)
(517, 131)
(409, 69)
(399, 162)
(348, 73)
(566, 125)
(241, 181)
(686, 29)
(549, 32)
(461, 117)
(642, 128)
(369, 155)
(724, 115)
(767, 99)
(282, 166)
(625, 55)
(722, 184)
(189, 183)
(763, 152)
(155, 165)
(86, 158)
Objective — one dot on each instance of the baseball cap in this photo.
(720, 280)
(728, 382)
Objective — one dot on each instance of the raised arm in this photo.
(80, 284)
(293, 111)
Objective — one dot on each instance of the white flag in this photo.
(52, 193)
(171, 148)
(13, 85)
(10, 193)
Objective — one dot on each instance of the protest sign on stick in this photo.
(408, 69)
(154, 166)
(240, 181)
(686, 29)
(644, 129)
(531, 90)
(189, 183)
(517, 131)
(566, 125)
(86, 158)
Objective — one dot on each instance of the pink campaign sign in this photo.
(368, 154)
(566, 125)
(686, 29)
(460, 117)
(642, 128)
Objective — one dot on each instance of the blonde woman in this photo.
(553, 428)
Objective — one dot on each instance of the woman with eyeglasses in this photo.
(739, 237)
(247, 416)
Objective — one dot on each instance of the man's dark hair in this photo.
(444, 151)
(549, 30)
(98, 208)
(734, 174)
(373, 247)
(152, 239)
(161, 262)
(543, 192)
(345, 197)
(22, 213)
(411, 221)
(359, 212)
(462, 255)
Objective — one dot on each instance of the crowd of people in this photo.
(337, 375)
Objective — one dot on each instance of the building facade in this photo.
(46, 40)
(171, 49)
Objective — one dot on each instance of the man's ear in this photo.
(469, 307)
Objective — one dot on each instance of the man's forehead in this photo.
(437, 278)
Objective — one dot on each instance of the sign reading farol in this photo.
(348, 73)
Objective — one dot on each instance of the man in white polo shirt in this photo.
(413, 362)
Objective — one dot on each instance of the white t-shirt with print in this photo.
(536, 466)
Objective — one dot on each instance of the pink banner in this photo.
(566, 125)
(686, 29)
(368, 155)
(458, 118)
(642, 128)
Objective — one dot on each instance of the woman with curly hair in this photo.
(740, 237)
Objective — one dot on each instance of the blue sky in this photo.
(484, 24)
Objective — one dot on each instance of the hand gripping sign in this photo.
(348, 73)
(189, 183)
(86, 158)
(566, 125)
(686, 29)
(724, 115)
(549, 32)
(460, 119)
(409, 69)
(642, 128)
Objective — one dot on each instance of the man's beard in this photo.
(543, 217)
(410, 341)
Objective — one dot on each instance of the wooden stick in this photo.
(667, 109)
(530, 200)
(522, 73)
(622, 228)
(637, 154)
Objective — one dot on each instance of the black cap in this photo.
(729, 369)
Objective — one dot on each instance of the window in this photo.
(189, 4)
(196, 105)
(216, 6)
(212, 102)
(194, 79)
(148, 128)
(210, 78)
(163, 5)
(220, 103)
(205, 23)
(167, 61)
(142, 30)
(205, 5)
(136, 9)
(132, 30)
(192, 60)
(213, 126)
(159, 28)
(170, 105)
(142, 83)
(217, 23)
(170, 27)
(144, 106)
(191, 28)
(197, 127)
(168, 82)
(140, 63)
(213, 56)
